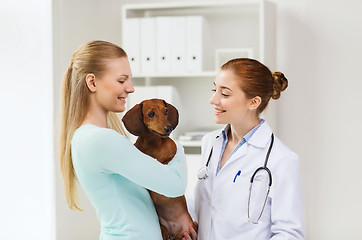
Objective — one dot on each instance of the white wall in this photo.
(319, 49)
(26, 123)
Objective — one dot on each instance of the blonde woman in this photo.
(95, 151)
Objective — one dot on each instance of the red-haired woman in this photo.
(249, 184)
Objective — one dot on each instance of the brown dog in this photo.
(153, 120)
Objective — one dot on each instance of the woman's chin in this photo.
(119, 109)
(217, 120)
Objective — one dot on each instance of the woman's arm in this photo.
(287, 211)
(110, 152)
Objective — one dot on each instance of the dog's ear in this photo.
(172, 115)
(133, 120)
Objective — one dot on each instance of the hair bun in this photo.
(280, 84)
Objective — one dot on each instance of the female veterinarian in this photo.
(228, 205)
(114, 174)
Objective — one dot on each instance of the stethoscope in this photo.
(204, 173)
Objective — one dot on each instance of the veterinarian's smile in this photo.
(218, 111)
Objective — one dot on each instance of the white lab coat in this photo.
(221, 204)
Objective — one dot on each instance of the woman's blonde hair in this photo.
(88, 58)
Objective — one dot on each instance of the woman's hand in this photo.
(192, 232)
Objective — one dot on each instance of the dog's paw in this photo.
(170, 237)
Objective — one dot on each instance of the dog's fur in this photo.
(153, 120)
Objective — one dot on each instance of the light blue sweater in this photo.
(115, 175)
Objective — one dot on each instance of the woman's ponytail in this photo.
(66, 133)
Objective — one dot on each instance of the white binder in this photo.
(194, 43)
(163, 44)
(178, 44)
(132, 43)
(148, 45)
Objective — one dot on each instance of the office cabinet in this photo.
(243, 25)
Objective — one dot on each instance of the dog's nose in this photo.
(168, 129)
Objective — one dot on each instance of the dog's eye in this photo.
(166, 111)
(151, 114)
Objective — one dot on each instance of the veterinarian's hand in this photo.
(193, 234)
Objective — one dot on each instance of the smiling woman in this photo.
(95, 151)
(233, 160)
(87, 62)
(113, 87)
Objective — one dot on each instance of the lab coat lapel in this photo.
(261, 137)
(239, 153)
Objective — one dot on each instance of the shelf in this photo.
(190, 143)
(229, 24)
(204, 4)
(175, 75)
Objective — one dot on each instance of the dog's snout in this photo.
(168, 129)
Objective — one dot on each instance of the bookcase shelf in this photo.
(232, 24)
(208, 74)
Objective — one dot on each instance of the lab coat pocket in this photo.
(235, 202)
(235, 198)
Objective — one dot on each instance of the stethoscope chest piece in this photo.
(203, 173)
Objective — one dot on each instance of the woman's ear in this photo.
(90, 80)
(254, 103)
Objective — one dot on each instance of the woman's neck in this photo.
(96, 116)
(238, 131)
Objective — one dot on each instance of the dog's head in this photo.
(154, 115)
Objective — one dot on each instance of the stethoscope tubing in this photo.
(203, 172)
(265, 164)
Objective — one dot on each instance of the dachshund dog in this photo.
(153, 120)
